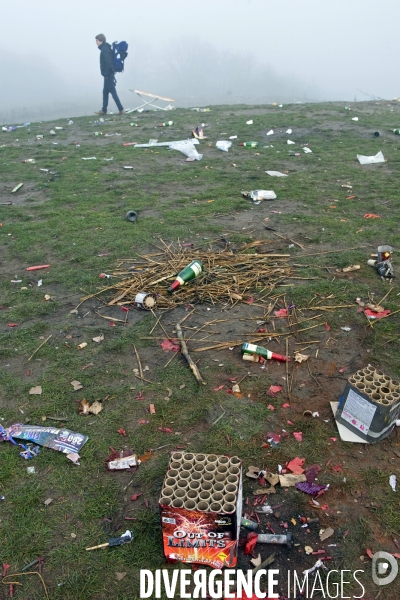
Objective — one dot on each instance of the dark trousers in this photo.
(109, 88)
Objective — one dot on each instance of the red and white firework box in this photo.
(201, 509)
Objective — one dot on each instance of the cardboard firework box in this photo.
(201, 509)
(370, 404)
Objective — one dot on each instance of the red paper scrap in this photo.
(143, 422)
(273, 390)
(298, 435)
(12, 324)
(275, 437)
(369, 553)
(286, 405)
(165, 430)
(296, 465)
(217, 389)
(152, 409)
(281, 313)
(337, 468)
(37, 267)
(121, 431)
(168, 346)
(270, 407)
(112, 324)
(376, 315)
(333, 439)
(136, 496)
(327, 327)
(371, 216)
(251, 541)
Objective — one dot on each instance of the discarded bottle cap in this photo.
(377, 133)
(145, 301)
(131, 216)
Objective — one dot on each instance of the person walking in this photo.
(107, 70)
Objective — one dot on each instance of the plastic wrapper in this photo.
(223, 145)
(187, 148)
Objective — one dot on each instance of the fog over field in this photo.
(209, 52)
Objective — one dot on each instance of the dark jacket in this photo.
(106, 60)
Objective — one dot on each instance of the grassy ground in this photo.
(73, 219)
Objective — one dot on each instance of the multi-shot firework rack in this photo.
(201, 508)
(370, 404)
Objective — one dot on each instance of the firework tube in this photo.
(183, 484)
(187, 466)
(377, 375)
(230, 488)
(170, 482)
(185, 474)
(211, 467)
(168, 492)
(196, 476)
(218, 487)
(205, 495)
(268, 538)
(212, 458)
(230, 498)
(376, 397)
(234, 470)
(165, 501)
(190, 504)
(254, 353)
(208, 476)
(203, 506)
(179, 493)
(192, 495)
(177, 456)
(215, 507)
(38, 267)
(217, 497)
(223, 460)
(228, 508)
(232, 478)
(177, 503)
(195, 485)
(207, 486)
(235, 461)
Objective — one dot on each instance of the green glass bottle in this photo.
(190, 272)
(249, 144)
(166, 124)
(134, 125)
(253, 353)
(396, 131)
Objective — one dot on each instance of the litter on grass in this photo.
(63, 440)
(276, 174)
(223, 145)
(371, 160)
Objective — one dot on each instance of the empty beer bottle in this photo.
(396, 131)
(190, 272)
(166, 124)
(253, 353)
(134, 124)
(249, 144)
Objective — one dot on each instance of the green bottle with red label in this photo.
(190, 272)
(255, 353)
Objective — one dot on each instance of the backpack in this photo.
(119, 53)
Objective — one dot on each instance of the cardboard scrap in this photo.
(36, 390)
(256, 562)
(324, 534)
(98, 339)
(301, 357)
(86, 408)
(291, 479)
(76, 385)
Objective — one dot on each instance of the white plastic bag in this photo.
(370, 160)
(276, 174)
(223, 145)
(187, 148)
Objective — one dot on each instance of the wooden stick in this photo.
(185, 353)
(331, 251)
(287, 370)
(171, 359)
(384, 297)
(286, 238)
(109, 318)
(143, 379)
(309, 370)
(38, 348)
(99, 546)
(138, 362)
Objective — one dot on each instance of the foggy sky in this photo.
(337, 47)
